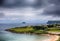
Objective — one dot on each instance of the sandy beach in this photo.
(53, 38)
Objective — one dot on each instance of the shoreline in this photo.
(52, 37)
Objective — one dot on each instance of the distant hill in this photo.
(24, 22)
(53, 22)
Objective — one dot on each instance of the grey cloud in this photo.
(2, 15)
(1, 2)
(53, 10)
(55, 1)
(20, 3)
(38, 3)
(12, 3)
(23, 3)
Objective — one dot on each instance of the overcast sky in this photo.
(29, 10)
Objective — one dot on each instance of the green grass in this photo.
(34, 29)
(54, 29)
(40, 32)
(27, 29)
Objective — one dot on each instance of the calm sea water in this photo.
(8, 36)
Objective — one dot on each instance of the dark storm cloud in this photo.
(55, 1)
(53, 10)
(52, 7)
(12, 3)
(2, 15)
(21, 3)
(1, 2)
(38, 4)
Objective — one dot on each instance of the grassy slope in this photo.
(26, 30)
(30, 29)
(54, 29)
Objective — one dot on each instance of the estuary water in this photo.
(8, 36)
